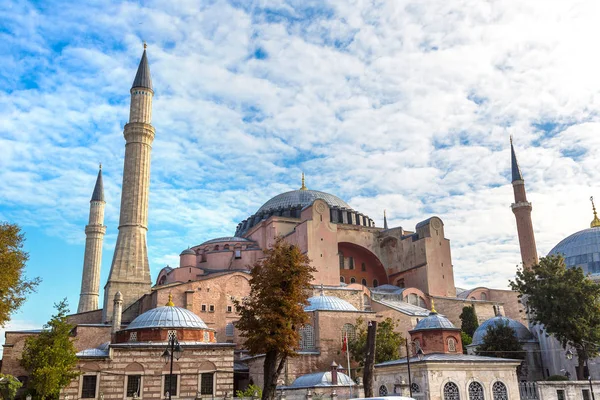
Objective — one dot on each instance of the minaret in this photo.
(130, 273)
(92, 258)
(385, 225)
(522, 210)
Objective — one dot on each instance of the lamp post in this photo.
(173, 350)
(420, 354)
(569, 355)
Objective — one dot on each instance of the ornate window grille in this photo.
(415, 388)
(451, 391)
(475, 391)
(451, 345)
(133, 337)
(171, 335)
(307, 337)
(383, 390)
(499, 391)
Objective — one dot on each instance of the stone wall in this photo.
(572, 390)
(13, 347)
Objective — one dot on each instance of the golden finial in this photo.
(303, 187)
(170, 302)
(433, 306)
(145, 45)
(595, 222)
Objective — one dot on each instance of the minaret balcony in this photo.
(521, 204)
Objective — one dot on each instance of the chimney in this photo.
(117, 311)
(334, 376)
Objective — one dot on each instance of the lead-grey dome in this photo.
(301, 198)
(522, 333)
(581, 249)
(167, 317)
(434, 321)
(328, 303)
(321, 379)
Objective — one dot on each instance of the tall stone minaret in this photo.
(130, 273)
(522, 210)
(92, 258)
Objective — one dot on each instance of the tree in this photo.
(14, 287)
(468, 319)
(501, 341)
(50, 356)
(9, 385)
(565, 302)
(387, 342)
(466, 340)
(272, 314)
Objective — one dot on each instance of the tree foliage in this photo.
(387, 342)
(466, 340)
(468, 319)
(14, 286)
(249, 392)
(274, 311)
(565, 302)
(9, 385)
(501, 341)
(50, 356)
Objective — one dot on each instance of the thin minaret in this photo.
(129, 272)
(522, 210)
(385, 225)
(92, 258)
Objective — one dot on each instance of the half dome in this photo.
(581, 249)
(167, 317)
(301, 198)
(522, 333)
(328, 303)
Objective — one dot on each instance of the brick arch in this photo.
(206, 366)
(357, 255)
(134, 367)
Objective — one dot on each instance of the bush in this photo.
(249, 392)
(557, 378)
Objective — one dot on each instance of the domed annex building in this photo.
(364, 269)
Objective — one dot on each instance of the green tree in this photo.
(249, 392)
(274, 311)
(9, 385)
(501, 341)
(466, 340)
(387, 342)
(50, 356)
(468, 319)
(14, 286)
(565, 302)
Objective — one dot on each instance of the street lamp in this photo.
(569, 355)
(173, 350)
(420, 355)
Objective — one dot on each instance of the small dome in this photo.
(167, 317)
(328, 303)
(523, 334)
(301, 198)
(434, 321)
(188, 251)
(321, 379)
(581, 249)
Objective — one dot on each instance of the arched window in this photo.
(364, 282)
(350, 262)
(483, 296)
(375, 283)
(499, 391)
(383, 390)
(307, 337)
(226, 247)
(217, 248)
(451, 391)
(451, 345)
(341, 260)
(162, 280)
(475, 391)
(415, 388)
(229, 329)
(342, 279)
(350, 330)
(363, 267)
(352, 280)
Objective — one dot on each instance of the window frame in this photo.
(214, 383)
(141, 384)
(96, 388)
(177, 385)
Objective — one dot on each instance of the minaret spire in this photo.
(595, 222)
(130, 272)
(92, 258)
(303, 187)
(385, 225)
(522, 210)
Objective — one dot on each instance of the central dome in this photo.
(581, 249)
(301, 198)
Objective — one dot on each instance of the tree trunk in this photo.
(580, 365)
(272, 369)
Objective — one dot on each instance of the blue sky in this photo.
(398, 105)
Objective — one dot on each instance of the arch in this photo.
(364, 282)
(383, 391)
(162, 280)
(217, 248)
(450, 391)
(356, 259)
(342, 280)
(226, 247)
(307, 337)
(475, 391)
(352, 279)
(206, 366)
(451, 345)
(350, 331)
(134, 367)
(415, 388)
(483, 296)
(499, 391)
(375, 283)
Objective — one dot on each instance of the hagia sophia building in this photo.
(362, 270)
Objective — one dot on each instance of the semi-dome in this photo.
(301, 198)
(434, 321)
(581, 249)
(328, 303)
(321, 379)
(522, 333)
(226, 239)
(188, 251)
(167, 317)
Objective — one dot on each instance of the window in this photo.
(88, 387)
(451, 391)
(211, 308)
(352, 280)
(586, 394)
(350, 262)
(133, 337)
(229, 329)
(226, 247)
(400, 283)
(383, 390)
(364, 282)
(499, 391)
(415, 388)
(363, 267)
(170, 388)
(203, 308)
(307, 337)
(560, 394)
(483, 296)
(134, 383)
(238, 254)
(206, 382)
(217, 248)
(375, 283)
(342, 279)
(350, 330)
(451, 345)
(229, 309)
(475, 391)
(171, 335)
(341, 261)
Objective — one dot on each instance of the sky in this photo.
(400, 105)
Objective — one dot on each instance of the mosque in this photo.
(362, 271)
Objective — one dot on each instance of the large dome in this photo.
(581, 249)
(301, 198)
(522, 333)
(167, 317)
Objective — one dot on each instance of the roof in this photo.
(142, 77)
(321, 379)
(427, 221)
(403, 307)
(522, 333)
(581, 249)
(92, 353)
(301, 198)
(98, 194)
(167, 317)
(443, 357)
(387, 288)
(226, 239)
(328, 303)
(188, 251)
(514, 164)
(434, 321)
